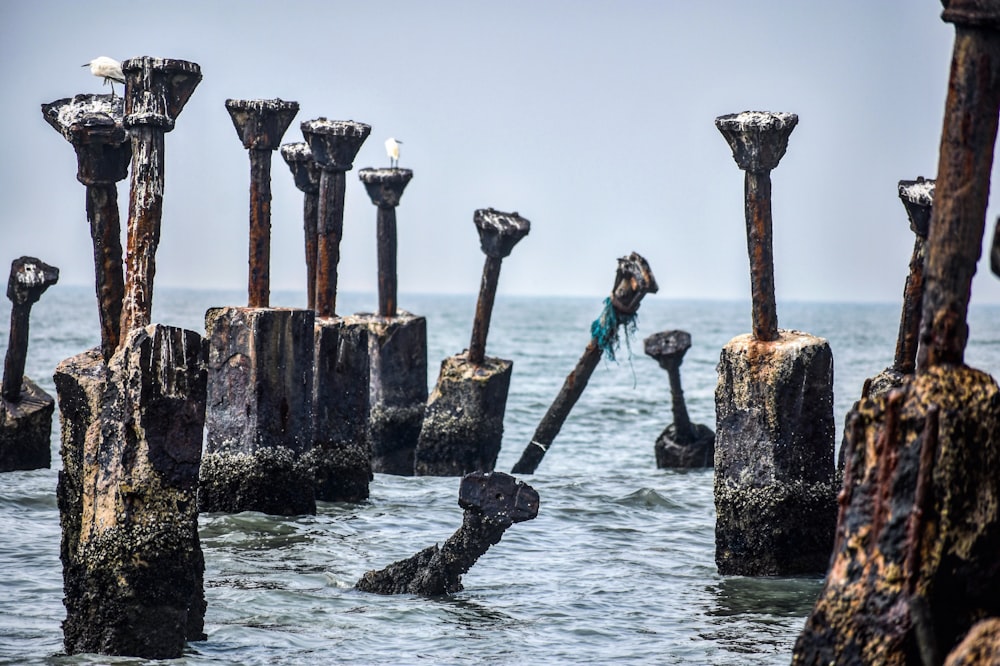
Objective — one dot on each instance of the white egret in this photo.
(107, 68)
(392, 150)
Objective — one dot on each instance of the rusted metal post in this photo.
(29, 278)
(334, 144)
(498, 234)
(917, 196)
(668, 348)
(93, 124)
(385, 187)
(260, 124)
(306, 174)
(759, 140)
(633, 281)
(963, 180)
(156, 91)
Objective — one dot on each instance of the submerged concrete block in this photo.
(775, 489)
(463, 424)
(26, 429)
(259, 419)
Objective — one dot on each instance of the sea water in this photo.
(617, 567)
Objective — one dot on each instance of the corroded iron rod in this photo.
(668, 348)
(385, 188)
(917, 196)
(29, 278)
(307, 175)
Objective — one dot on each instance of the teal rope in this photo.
(604, 329)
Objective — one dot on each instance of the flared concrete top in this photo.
(335, 143)
(918, 198)
(92, 111)
(385, 186)
(260, 123)
(498, 496)
(499, 232)
(633, 281)
(758, 138)
(304, 169)
(157, 89)
(29, 278)
(977, 13)
(668, 346)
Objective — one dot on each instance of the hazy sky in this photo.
(592, 119)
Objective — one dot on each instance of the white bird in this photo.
(107, 68)
(392, 150)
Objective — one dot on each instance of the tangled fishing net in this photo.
(604, 329)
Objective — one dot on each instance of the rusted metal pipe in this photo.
(94, 125)
(917, 197)
(334, 144)
(260, 124)
(668, 348)
(385, 187)
(632, 282)
(306, 174)
(498, 234)
(29, 278)
(758, 140)
(965, 161)
(156, 91)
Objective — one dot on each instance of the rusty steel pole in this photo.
(306, 174)
(632, 282)
(260, 124)
(29, 278)
(498, 234)
(958, 219)
(385, 188)
(94, 125)
(917, 197)
(758, 140)
(156, 91)
(334, 144)
(668, 348)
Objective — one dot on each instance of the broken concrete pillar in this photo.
(25, 409)
(132, 561)
(492, 502)
(259, 421)
(306, 174)
(682, 443)
(914, 567)
(94, 124)
(775, 488)
(463, 423)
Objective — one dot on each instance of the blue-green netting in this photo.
(605, 329)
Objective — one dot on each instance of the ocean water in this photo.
(617, 567)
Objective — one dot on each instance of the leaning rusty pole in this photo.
(775, 492)
(260, 361)
(341, 457)
(682, 443)
(463, 424)
(915, 561)
(918, 199)
(492, 502)
(25, 409)
(132, 431)
(633, 281)
(94, 124)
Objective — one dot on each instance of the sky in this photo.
(594, 120)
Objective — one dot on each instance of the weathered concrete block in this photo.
(340, 460)
(259, 419)
(696, 449)
(463, 423)
(775, 489)
(26, 429)
(397, 349)
(133, 566)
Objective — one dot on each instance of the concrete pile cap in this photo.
(385, 186)
(159, 87)
(633, 281)
(498, 496)
(335, 143)
(260, 123)
(85, 110)
(918, 198)
(499, 232)
(305, 171)
(667, 344)
(973, 13)
(758, 138)
(29, 278)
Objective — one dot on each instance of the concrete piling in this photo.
(306, 175)
(25, 409)
(682, 443)
(94, 124)
(633, 281)
(492, 502)
(914, 565)
(385, 187)
(775, 491)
